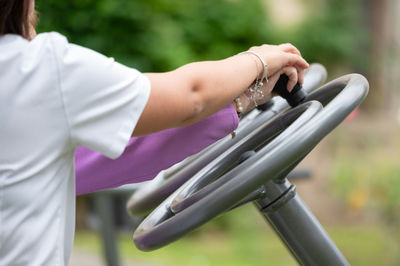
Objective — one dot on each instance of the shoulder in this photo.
(29, 56)
(48, 39)
(39, 51)
(49, 43)
(57, 45)
(68, 54)
(44, 42)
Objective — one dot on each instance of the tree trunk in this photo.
(384, 71)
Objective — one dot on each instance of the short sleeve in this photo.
(103, 99)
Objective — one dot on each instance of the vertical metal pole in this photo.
(297, 227)
(103, 207)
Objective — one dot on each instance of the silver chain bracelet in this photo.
(255, 90)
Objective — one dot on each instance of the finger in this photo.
(283, 59)
(300, 75)
(291, 72)
(290, 48)
(295, 60)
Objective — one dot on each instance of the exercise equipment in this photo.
(259, 162)
(147, 197)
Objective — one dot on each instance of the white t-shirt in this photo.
(55, 96)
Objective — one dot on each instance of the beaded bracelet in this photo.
(238, 106)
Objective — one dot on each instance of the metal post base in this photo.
(297, 227)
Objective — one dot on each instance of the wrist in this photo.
(254, 92)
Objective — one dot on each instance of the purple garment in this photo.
(145, 156)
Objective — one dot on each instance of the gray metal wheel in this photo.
(207, 200)
(146, 198)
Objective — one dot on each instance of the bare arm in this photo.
(196, 90)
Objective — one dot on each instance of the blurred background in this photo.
(354, 189)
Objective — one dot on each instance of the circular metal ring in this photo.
(162, 226)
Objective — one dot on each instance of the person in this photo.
(56, 96)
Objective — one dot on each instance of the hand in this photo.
(279, 56)
(246, 99)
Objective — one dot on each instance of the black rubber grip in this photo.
(295, 97)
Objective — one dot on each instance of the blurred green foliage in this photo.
(366, 175)
(159, 35)
(335, 34)
(374, 187)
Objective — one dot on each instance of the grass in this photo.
(242, 238)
